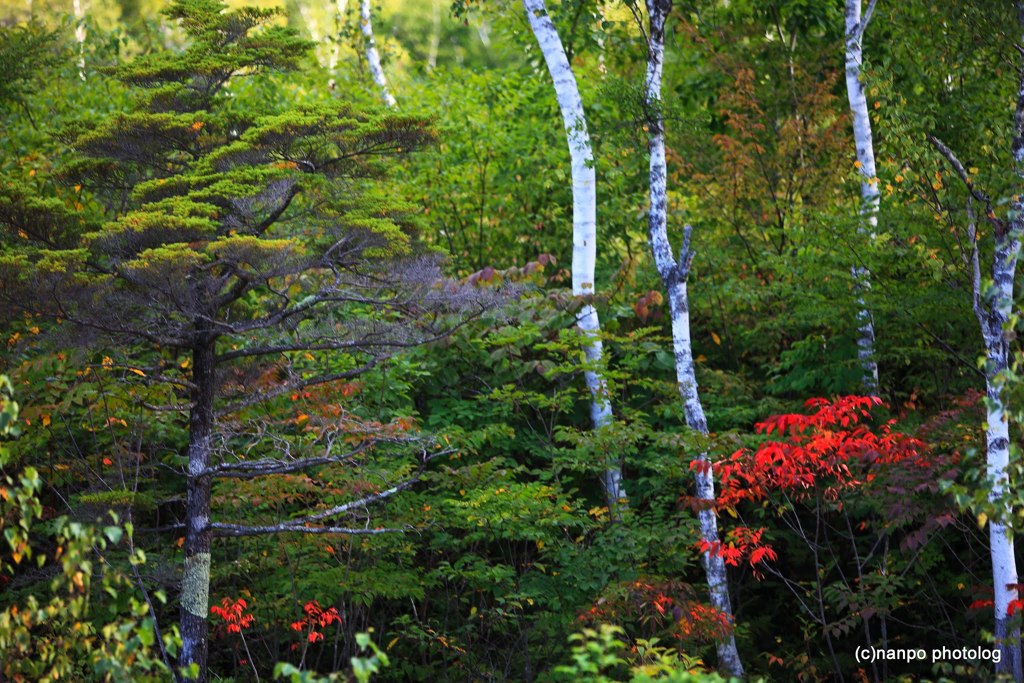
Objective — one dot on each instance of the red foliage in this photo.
(316, 617)
(662, 606)
(232, 615)
(827, 451)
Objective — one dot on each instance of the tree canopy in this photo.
(303, 379)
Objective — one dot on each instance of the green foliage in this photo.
(68, 632)
(363, 668)
(207, 160)
(24, 52)
(600, 656)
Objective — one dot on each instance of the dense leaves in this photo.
(207, 219)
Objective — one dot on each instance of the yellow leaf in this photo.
(715, 338)
(982, 518)
(46, 420)
(138, 372)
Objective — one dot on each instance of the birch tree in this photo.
(372, 56)
(674, 273)
(80, 34)
(993, 305)
(992, 308)
(584, 224)
(855, 26)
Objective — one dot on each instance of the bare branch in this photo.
(302, 524)
(685, 253)
(299, 383)
(958, 167)
(972, 236)
(250, 469)
(222, 530)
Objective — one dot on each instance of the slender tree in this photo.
(856, 23)
(584, 223)
(674, 273)
(80, 34)
(236, 244)
(372, 56)
(992, 307)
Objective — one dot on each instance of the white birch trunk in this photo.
(674, 275)
(79, 10)
(372, 56)
(313, 27)
(335, 55)
(435, 34)
(993, 319)
(584, 223)
(868, 185)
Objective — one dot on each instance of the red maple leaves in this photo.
(233, 616)
(316, 617)
(826, 452)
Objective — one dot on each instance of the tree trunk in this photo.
(993, 319)
(80, 11)
(195, 581)
(674, 275)
(372, 57)
(997, 349)
(435, 34)
(584, 224)
(868, 187)
(313, 27)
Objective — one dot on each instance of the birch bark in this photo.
(372, 56)
(992, 307)
(584, 224)
(993, 320)
(674, 276)
(79, 10)
(332, 60)
(855, 25)
(992, 317)
(313, 26)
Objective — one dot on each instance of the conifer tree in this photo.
(214, 238)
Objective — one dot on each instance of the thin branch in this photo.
(958, 167)
(972, 235)
(865, 20)
(300, 383)
(250, 469)
(301, 524)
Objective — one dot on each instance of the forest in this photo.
(511, 340)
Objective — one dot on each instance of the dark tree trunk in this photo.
(195, 582)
